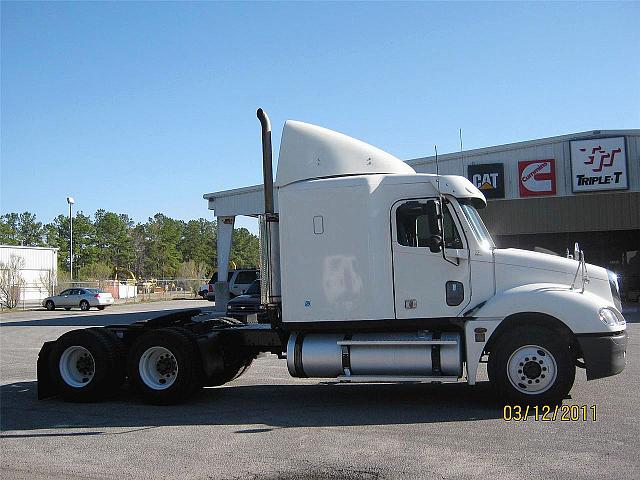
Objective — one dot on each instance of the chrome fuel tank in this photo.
(399, 354)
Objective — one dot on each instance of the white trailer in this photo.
(370, 273)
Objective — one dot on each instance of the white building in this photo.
(38, 273)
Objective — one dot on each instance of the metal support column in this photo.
(225, 239)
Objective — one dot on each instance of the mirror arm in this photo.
(441, 218)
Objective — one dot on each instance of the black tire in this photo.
(182, 346)
(236, 363)
(101, 307)
(49, 305)
(67, 308)
(116, 345)
(84, 306)
(107, 356)
(517, 340)
(229, 373)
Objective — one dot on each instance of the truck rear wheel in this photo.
(86, 365)
(531, 365)
(164, 365)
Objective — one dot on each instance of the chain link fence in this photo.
(32, 294)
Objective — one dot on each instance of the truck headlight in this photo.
(610, 318)
(615, 289)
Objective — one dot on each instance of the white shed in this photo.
(38, 272)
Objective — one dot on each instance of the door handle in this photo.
(456, 253)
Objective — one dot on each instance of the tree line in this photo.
(161, 247)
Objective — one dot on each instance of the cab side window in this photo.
(414, 226)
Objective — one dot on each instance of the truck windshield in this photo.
(254, 288)
(477, 225)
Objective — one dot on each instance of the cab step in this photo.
(395, 379)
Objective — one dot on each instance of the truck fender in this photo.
(579, 311)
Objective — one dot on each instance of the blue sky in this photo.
(142, 107)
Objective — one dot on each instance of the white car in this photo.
(83, 298)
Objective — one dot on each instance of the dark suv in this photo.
(247, 307)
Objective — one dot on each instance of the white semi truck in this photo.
(370, 273)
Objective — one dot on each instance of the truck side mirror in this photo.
(434, 216)
(434, 242)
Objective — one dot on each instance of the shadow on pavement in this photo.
(275, 406)
(80, 319)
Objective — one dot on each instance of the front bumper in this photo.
(604, 355)
(248, 316)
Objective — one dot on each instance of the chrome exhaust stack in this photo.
(269, 229)
(267, 161)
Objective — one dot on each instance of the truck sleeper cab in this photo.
(370, 273)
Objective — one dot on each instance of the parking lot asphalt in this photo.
(267, 425)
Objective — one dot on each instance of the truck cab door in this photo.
(426, 285)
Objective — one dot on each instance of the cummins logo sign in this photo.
(489, 178)
(599, 164)
(537, 177)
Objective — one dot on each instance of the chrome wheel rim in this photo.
(77, 366)
(158, 368)
(532, 369)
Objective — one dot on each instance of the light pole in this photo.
(70, 201)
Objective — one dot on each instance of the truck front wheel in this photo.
(164, 366)
(530, 365)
